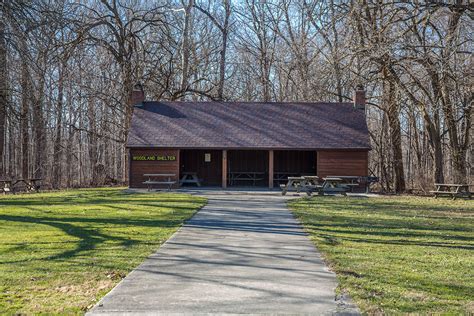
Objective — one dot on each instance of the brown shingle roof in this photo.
(248, 125)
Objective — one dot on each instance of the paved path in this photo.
(242, 253)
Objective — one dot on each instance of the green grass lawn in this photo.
(61, 251)
(396, 254)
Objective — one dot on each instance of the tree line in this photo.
(67, 70)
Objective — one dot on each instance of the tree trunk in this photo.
(70, 157)
(335, 53)
(39, 133)
(57, 152)
(92, 140)
(25, 100)
(392, 110)
(3, 93)
(437, 147)
(127, 81)
(185, 47)
(383, 165)
(220, 89)
(264, 53)
(458, 152)
(432, 128)
(71, 179)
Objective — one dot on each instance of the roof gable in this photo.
(248, 125)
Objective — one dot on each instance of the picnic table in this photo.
(159, 179)
(355, 181)
(282, 177)
(304, 183)
(310, 184)
(190, 177)
(453, 190)
(32, 184)
(334, 185)
(6, 185)
(245, 176)
(349, 181)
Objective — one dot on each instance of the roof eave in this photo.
(250, 148)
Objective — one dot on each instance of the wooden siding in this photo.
(138, 168)
(342, 163)
(349, 163)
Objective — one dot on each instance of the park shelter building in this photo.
(264, 141)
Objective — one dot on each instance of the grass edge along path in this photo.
(396, 254)
(60, 252)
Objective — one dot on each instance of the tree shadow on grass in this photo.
(332, 239)
(397, 207)
(89, 201)
(390, 227)
(388, 223)
(89, 238)
(395, 232)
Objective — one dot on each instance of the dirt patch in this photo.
(65, 298)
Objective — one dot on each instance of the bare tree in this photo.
(117, 27)
(258, 40)
(3, 86)
(224, 29)
(67, 70)
(185, 47)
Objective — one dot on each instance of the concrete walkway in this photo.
(242, 253)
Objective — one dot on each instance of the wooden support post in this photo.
(224, 169)
(317, 164)
(178, 173)
(270, 169)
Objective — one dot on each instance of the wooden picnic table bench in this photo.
(244, 176)
(155, 179)
(34, 184)
(281, 177)
(311, 179)
(453, 190)
(357, 181)
(349, 181)
(190, 177)
(306, 184)
(31, 184)
(334, 185)
(6, 185)
(293, 182)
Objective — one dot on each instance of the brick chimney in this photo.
(138, 95)
(359, 97)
